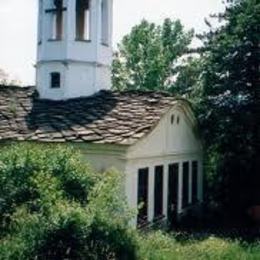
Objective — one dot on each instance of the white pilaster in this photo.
(165, 189)
(151, 194)
(180, 190)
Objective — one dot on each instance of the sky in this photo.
(18, 26)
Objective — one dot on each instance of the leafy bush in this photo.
(54, 207)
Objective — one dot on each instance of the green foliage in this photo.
(46, 219)
(53, 206)
(110, 207)
(38, 178)
(159, 246)
(229, 111)
(146, 56)
(188, 82)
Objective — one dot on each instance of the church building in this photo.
(150, 137)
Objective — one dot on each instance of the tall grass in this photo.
(159, 246)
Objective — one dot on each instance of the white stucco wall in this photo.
(104, 157)
(167, 144)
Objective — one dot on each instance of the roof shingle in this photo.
(107, 117)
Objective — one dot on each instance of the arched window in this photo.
(104, 22)
(83, 19)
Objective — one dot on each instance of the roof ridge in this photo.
(16, 87)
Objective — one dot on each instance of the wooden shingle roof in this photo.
(107, 117)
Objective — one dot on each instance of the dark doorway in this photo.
(194, 182)
(158, 192)
(143, 176)
(185, 185)
(173, 193)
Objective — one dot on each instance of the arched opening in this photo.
(104, 22)
(83, 19)
(57, 20)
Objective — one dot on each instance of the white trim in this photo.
(166, 156)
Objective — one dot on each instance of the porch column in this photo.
(151, 194)
(180, 187)
(165, 190)
(131, 188)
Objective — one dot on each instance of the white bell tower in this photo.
(74, 48)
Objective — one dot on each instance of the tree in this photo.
(229, 110)
(189, 73)
(146, 57)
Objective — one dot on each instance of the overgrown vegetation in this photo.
(159, 246)
(53, 206)
(229, 109)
